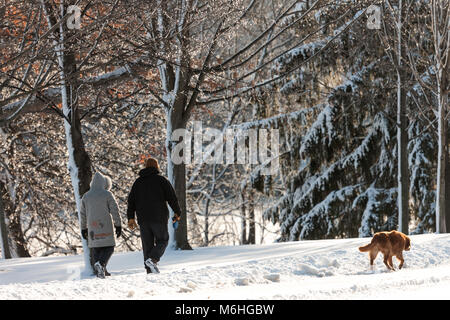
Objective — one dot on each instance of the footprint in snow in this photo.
(242, 282)
(308, 270)
(274, 277)
(191, 285)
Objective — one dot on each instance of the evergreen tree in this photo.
(342, 181)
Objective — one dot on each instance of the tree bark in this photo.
(441, 41)
(181, 236)
(403, 171)
(243, 219)
(444, 91)
(442, 214)
(15, 232)
(251, 217)
(441, 187)
(79, 163)
(177, 176)
(447, 192)
(402, 135)
(6, 253)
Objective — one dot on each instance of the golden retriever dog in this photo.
(389, 244)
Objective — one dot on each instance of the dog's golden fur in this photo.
(389, 244)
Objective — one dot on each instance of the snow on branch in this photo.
(274, 122)
(281, 207)
(52, 96)
(305, 51)
(281, 76)
(33, 103)
(322, 131)
(373, 199)
(352, 83)
(319, 215)
(353, 161)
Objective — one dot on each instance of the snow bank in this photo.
(322, 269)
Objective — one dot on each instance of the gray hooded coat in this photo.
(97, 207)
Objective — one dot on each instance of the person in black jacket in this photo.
(148, 199)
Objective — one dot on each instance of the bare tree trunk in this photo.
(444, 90)
(441, 225)
(402, 135)
(18, 243)
(206, 224)
(441, 188)
(179, 182)
(251, 217)
(177, 176)
(447, 192)
(403, 173)
(12, 233)
(441, 39)
(6, 253)
(79, 163)
(243, 239)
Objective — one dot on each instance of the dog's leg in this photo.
(391, 263)
(372, 256)
(400, 257)
(385, 260)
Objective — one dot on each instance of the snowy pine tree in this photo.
(343, 180)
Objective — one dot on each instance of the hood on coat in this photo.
(108, 183)
(148, 171)
(98, 181)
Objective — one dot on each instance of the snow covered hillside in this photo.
(323, 269)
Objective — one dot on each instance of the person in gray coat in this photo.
(98, 205)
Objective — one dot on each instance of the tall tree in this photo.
(402, 123)
(440, 17)
(6, 253)
(395, 22)
(344, 182)
(79, 163)
(429, 62)
(183, 40)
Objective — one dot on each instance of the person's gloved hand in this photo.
(118, 231)
(175, 219)
(132, 224)
(84, 234)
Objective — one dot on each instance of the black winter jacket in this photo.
(148, 197)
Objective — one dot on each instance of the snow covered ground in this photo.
(323, 269)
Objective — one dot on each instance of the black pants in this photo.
(102, 254)
(154, 237)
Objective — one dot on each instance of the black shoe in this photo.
(107, 273)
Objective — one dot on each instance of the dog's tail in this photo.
(407, 244)
(366, 248)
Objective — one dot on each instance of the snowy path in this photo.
(323, 269)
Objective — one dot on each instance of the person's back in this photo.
(98, 209)
(149, 197)
(148, 200)
(98, 204)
